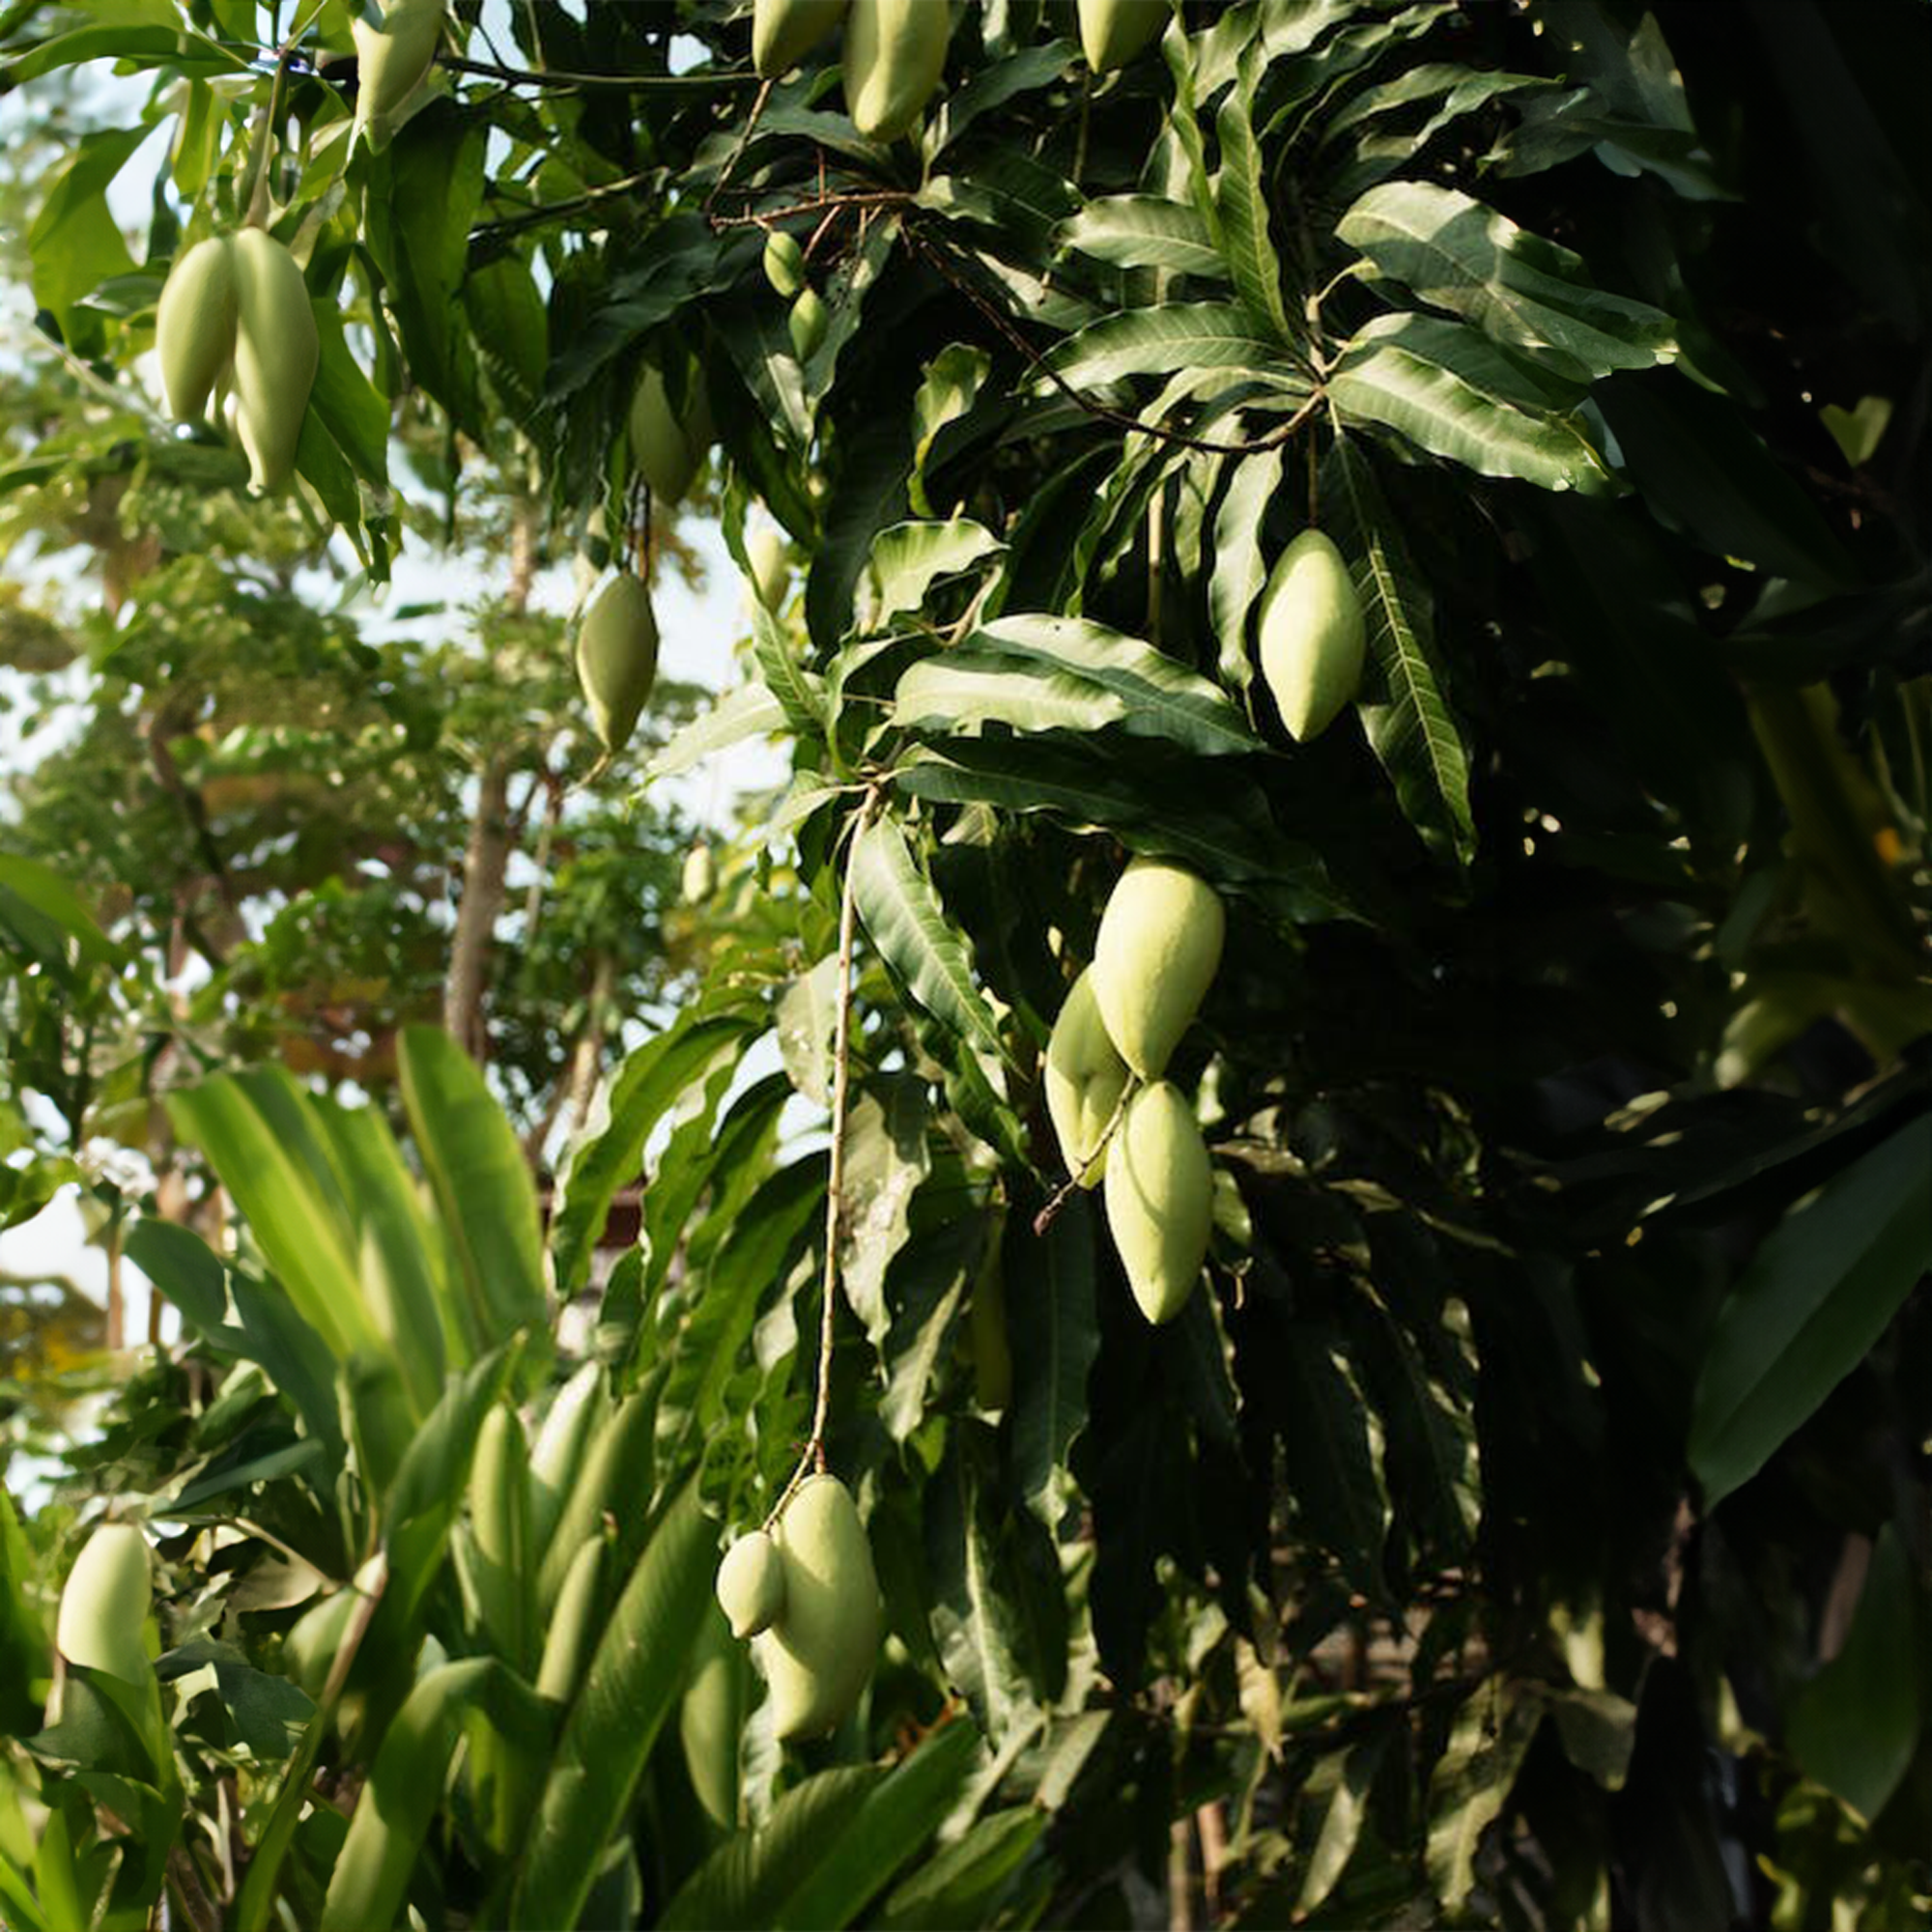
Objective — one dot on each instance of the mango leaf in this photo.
(909, 558)
(1428, 392)
(1854, 1725)
(1817, 1295)
(634, 1680)
(799, 693)
(1462, 255)
(962, 1882)
(264, 1145)
(1166, 340)
(808, 1020)
(748, 712)
(345, 401)
(1471, 1782)
(905, 921)
(608, 1150)
(49, 894)
(74, 241)
(1054, 1328)
(1404, 709)
(1240, 571)
(893, 1820)
(743, 1885)
(1159, 697)
(1241, 201)
(1143, 231)
(886, 1159)
(481, 1180)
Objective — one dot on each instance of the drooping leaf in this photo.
(1817, 1294)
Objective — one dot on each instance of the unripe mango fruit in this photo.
(391, 62)
(194, 325)
(771, 576)
(784, 31)
(665, 448)
(617, 658)
(1159, 1199)
(807, 323)
(895, 54)
(1112, 32)
(105, 1604)
(751, 1584)
(699, 877)
(785, 262)
(1314, 636)
(1156, 952)
(818, 1656)
(276, 350)
(1084, 1079)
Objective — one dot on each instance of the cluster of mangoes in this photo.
(234, 314)
(806, 1593)
(893, 56)
(1123, 1127)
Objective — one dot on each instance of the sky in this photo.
(699, 631)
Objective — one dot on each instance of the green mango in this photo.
(785, 262)
(751, 1584)
(895, 54)
(771, 575)
(276, 350)
(818, 1656)
(784, 31)
(1159, 947)
(1161, 1199)
(1084, 1079)
(104, 1604)
(194, 325)
(392, 61)
(617, 658)
(807, 323)
(1314, 635)
(1113, 32)
(666, 448)
(700, 876)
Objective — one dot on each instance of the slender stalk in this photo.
(812, 1459)
(1063, 1194)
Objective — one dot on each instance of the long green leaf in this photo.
(799, 693)
(482, 1182)
(1167, 340)
(1241, 200)
(894, 1818)
(1240, 571)
(1428, 398)
(608, 1150)
(53, 898)
(743, 1885)
(1404, 713)
(1815, 1298)
(748, 712)
(1462, 256)
(1054, 1325)
(271, 1158)
(905, 918)
(1143, 231)
(632, 1685)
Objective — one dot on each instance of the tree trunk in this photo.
(484, 865)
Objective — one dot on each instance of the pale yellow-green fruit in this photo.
(1159, 946)
(391, 62)
(666, 450)
(1313, 635)
(1112, 32)
(785, 262)
(1159, 1199)
(784, 31)
(751, 1584)
(771, 575)
(700, 876)
(276, 349)
(807, 323)
(617, 658)
(818, 1656)
(194, 325)
(895, 54)
(105, 1603)
(1084, 1079)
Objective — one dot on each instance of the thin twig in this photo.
(812, 1459)
(632, 84)
(737, 154)
(1063, 1194)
